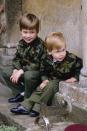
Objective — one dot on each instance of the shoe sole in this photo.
(20, 113)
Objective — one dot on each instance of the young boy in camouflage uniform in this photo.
(59, 65)
(24, 74)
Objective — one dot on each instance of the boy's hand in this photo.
(43, 84)
(14, 71)
(16, 75)
(71, 80)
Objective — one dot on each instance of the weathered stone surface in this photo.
(10, 51)
(5, 91)
(75, 92)
(6, 60)
(78, 114)
(83, 77)
(57, 115)
(78, 98)
(13, 10)
(2, 23)
(9, 18)
(24, 122)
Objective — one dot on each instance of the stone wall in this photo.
(58, 15)
(10, 37)
(2, 26)
(13, 10)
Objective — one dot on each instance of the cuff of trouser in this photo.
(44, 78)
(27, 104)
(36, 107)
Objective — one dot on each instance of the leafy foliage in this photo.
(7, 128)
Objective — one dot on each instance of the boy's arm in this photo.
(16, 62)
(43, 71)
(43, 67)
(43, 74)
(17, 67)
(77, 67)
(71, 80)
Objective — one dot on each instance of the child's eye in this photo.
(32, 32)
(61, 50)
(25, 32)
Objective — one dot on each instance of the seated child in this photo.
(24, 75)
(59, 65)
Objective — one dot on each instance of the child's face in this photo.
(59, 55)
(28, 35)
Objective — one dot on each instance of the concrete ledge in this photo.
(78, 114)
(6, 60)
(56, 114)
(75, 92)
(24, 122)
(78, 98)
(5, 91)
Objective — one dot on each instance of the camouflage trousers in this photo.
(27, 82)
(41, 96)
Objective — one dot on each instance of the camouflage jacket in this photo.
(28, 56)
(69, 67)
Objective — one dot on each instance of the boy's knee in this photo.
(3, 73)
(53, 85)
(6, 72)
(28, 75)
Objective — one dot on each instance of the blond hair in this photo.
(29, 21)
(55, 40)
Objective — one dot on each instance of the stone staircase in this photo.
(57, 116)
(24, 122)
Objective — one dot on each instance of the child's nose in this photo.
(28, 35)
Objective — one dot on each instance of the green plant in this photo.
(7, 128)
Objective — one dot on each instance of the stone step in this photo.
(77, 96)
(6, 60)
(75, 92)
(24, 122)
(5, 91)
(56, 114)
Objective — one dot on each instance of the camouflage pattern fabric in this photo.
(54, 72)
(28, 56)
(69, 67)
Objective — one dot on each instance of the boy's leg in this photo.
(38, 97)
(31, 81)
(50, 90)
(42, 96)
(24, 108)
(5, 79)
(28, 103)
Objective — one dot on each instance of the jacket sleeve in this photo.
(43, 67)
(77, 67)
(17, 59)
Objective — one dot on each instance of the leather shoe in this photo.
(20, 110)
(34, 113)
(17, 98)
